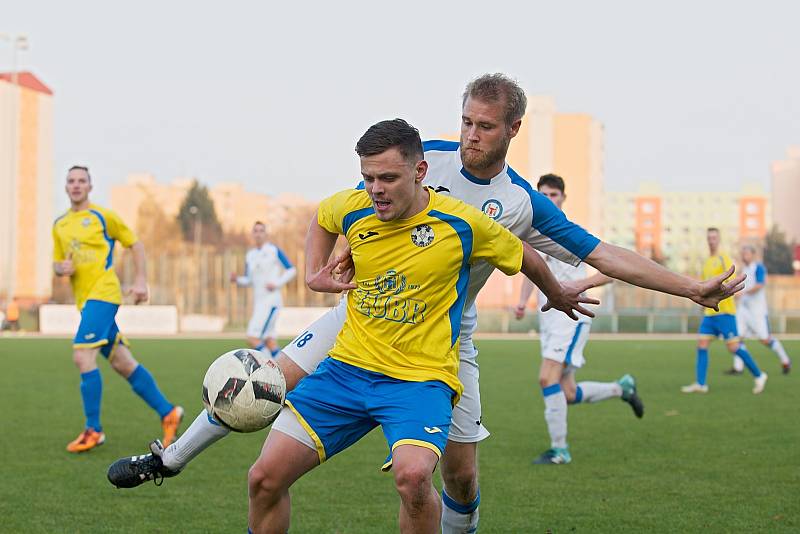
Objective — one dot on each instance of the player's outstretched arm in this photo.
(630, 267)
(320, 275)
(559, 297)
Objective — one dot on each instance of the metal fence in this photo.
(197, 281)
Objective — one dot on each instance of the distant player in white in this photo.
(267, 270)
(562, 342)
(751, 311)
(474, 171)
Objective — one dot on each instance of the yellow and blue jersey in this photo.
(87, 237)
(412, 274)
(714, 266)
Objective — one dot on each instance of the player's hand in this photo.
(233, 277)
(713, 290)
(569, 301)
(139, 291)
(271, 287)
(66, 267)
(519, 311)
(325, 281)
(579, 286)
(345, 268)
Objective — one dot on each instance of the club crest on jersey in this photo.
(86, 222)
(422, 235)
(391, 282)
(492, 208)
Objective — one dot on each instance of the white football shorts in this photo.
(752, 324)
(264, 319)
(563, 340)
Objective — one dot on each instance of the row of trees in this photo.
(778, 252)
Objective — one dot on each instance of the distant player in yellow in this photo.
(720, 323)
(395, 361)
(83, 246)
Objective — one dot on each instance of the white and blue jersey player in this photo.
(473, 170)
(267, 270)
(752, 316)
(562, 342)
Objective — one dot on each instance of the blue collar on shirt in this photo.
(474, 179)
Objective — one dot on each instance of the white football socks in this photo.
(200, 434)
(459, 518)
(777, 348)
(555, 414)
(599, 391)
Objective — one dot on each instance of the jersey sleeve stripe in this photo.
(551, 221)
(464, 231)
(355, 216)
(283, 259)
(440, 145)
(761, 274)
(110, 257)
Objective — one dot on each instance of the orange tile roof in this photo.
(27, 80)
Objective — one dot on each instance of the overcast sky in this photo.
(696, 95)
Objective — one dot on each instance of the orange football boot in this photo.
(170, 424)
(89, 439)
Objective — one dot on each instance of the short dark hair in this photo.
(259, 223)
(395, 133)
(496, 87)
(712, 229)
(80, 168)
(551, 180)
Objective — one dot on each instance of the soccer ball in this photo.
(244, 390)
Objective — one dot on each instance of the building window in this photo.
(751, 208)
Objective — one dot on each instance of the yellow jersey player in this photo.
(720, 322)
(395, 361)
(83, 249)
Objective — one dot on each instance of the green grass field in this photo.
(728, 461)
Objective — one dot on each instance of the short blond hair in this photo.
(496, 87)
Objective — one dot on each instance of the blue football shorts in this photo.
(99, 328)
(722, 325)
(339, 404)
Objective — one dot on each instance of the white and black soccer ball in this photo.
(244, 390)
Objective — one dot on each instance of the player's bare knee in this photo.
(734, 347)
(123, 362)
(545, 381)
(84, 360)
(261, 484)
(414, 494)
(411, 480)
